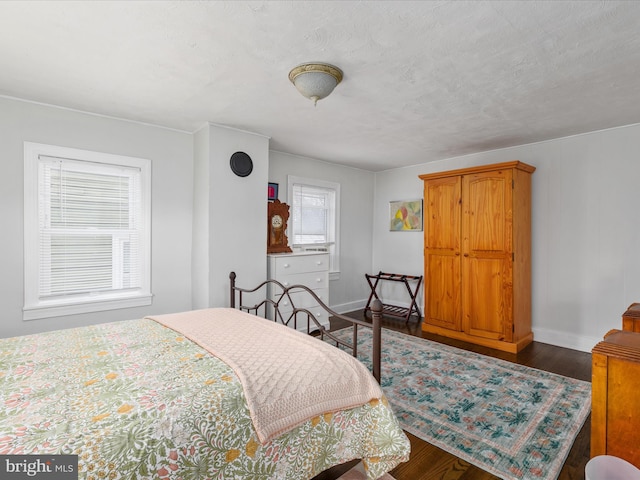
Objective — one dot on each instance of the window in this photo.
(87, 231)
(315, 216)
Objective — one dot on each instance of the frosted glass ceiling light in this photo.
(315, 80)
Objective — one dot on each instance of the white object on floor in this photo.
(607, 467)
(358, 473)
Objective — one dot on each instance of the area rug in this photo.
(515, 422)
(358, 473)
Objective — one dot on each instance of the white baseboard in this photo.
(349, 307)
(581, 343)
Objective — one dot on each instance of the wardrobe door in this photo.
(442, 227)
(487, 263)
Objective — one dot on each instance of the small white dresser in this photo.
(310, 269)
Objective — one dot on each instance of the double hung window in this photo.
(314, 224)
(87, 231)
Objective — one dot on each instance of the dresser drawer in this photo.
(302, 299)
(312, 280)
(290, 265)
(300, 268)
(305, 324)
(301, 323)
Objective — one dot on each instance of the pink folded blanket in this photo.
(288, 377)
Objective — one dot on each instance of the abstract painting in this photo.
(405, 216)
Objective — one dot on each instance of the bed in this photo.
(146, 398)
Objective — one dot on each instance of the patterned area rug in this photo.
(515, 422)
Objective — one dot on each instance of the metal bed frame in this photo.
(236, 294)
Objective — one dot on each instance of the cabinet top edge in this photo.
(296, 254)
(515, 164)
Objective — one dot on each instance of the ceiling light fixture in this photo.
(315, 80)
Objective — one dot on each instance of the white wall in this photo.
(200, 297)
(585, 202)
(396, 252)
(171, 153)
(585, 233)
(230, 214)
(350, 291)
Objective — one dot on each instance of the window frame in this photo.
(334, 272)
(38, 308)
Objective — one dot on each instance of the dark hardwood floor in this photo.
(428, 462)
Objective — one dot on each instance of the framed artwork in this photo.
(405, 216)
(272, 191)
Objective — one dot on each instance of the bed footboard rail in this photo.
(236, 293)
(266, 304)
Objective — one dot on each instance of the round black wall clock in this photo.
(241, 164)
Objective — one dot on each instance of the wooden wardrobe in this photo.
(477, 255)
(615, 404)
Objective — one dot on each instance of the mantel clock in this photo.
(277, 217)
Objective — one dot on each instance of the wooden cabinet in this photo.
(631, 318)
(477, 254)
(310, 269)
(615, 404)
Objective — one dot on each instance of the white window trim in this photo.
(334, 274)
(35, 308)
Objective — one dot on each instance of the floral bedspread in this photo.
(135, 400)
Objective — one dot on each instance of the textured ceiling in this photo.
(423, 80)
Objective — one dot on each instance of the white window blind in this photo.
(89, 227)
(91, 244)
(311, 215)
(315, 216)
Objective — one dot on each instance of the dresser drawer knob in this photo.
(286, 265)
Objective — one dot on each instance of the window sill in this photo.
(48, 311)
(334, 276)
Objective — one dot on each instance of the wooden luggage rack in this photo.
(394, 310)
